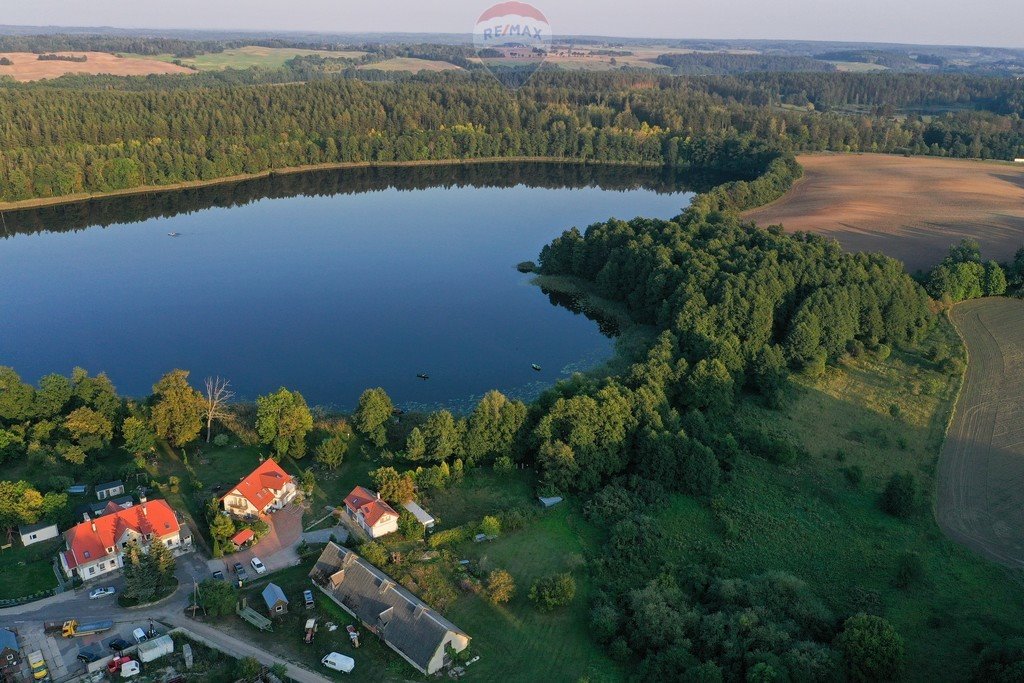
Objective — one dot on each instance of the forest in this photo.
(104, 140)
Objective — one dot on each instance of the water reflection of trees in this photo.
(164, 204)
(577, 304)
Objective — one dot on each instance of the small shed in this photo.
(421, 515)
(243, 537)
(77, 490)
(277, 603)
(110, 489)
(550, 501)
(35, 533)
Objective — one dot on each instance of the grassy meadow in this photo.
(249, 56)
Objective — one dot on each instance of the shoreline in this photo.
(39, 202)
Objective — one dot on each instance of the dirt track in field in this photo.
(28, 67)
(911, 208)
(980, 498)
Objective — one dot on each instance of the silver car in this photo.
(101, 592)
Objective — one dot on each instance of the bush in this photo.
(500, 586)
(871, 648)
(883, 352)
(554, 591)
(909, 570)
(449, 536)
(409, 526)
(375, 553)
(490, 526)
(899, 498)
(221, 440)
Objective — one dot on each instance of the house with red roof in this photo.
(264, 490)
(95, 547)
(372, 514)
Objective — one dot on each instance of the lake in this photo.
(327, 282)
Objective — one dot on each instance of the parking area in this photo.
(61, 654)
(276, 550)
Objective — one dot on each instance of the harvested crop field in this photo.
(980, 500)
(28, 67)
(911, 208)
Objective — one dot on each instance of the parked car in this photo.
(219, 575)
(101, 592)
(129, 669)
(258, 566)
(139, 635)
(239, 567)
(307, 596)
(118, 645)
(115, 664)
(339, 662)
(88, 656)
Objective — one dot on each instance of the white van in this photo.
(339, 662)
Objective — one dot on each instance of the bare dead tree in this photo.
(215, 403)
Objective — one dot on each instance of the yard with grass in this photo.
(820, 519)
(249, 56)
(28, 570)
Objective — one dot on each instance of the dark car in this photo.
(118, 645)
(239, 567)
(219, 575)
(88, 656)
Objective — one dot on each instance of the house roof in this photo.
(261, 485)
(421, 515)
(8, 640)
(86, 544)
(32, 528)
(117, 483)
(273, 594)
(243, 536)
(366, 501)
(405, 622)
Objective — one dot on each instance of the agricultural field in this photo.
(28, 67)
(251, 55)
(413, 64)
(979, 499)
(819, 519)
(911, 208)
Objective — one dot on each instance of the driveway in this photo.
(277, 549)
(339, 533)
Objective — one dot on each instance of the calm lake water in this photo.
(328, 283)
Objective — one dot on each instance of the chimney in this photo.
(144, 510)
(85, 517)
(378, 495)
(142, 499)
(94, 525)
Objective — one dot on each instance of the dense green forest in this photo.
(697, 63)
(103, 140)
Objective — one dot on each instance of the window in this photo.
(103, 565)
(92, 570)
(87, 554)
(279, 608)
(31, 537)
(124, 544)
(170, 542)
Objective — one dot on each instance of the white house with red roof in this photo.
(266, 489)
(372, 514)
(96, 546)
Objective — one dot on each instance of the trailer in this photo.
(72, 628)
(310, 630)
(155, 649)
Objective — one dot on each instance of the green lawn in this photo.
(27, 571)
(482, 492)
(516, 641)
(810, 520)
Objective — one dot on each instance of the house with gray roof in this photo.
(277, 603)
(407, 624)
(10, 653)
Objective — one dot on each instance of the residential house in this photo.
(95, 547)
(36, 533)
(105, 507)
(372, 514)
(10, 654)
(277, 603)
(266, 489)
(110, 489)
(408, 625)
(421, 515)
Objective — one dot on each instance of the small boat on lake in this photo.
(423, 375)
(174, 234)
(535, 367)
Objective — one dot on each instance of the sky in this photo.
(950, 22)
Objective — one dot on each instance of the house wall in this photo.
(457, 641)
(44, 534)
(110, 563)
(237, 503)
(103, 494)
